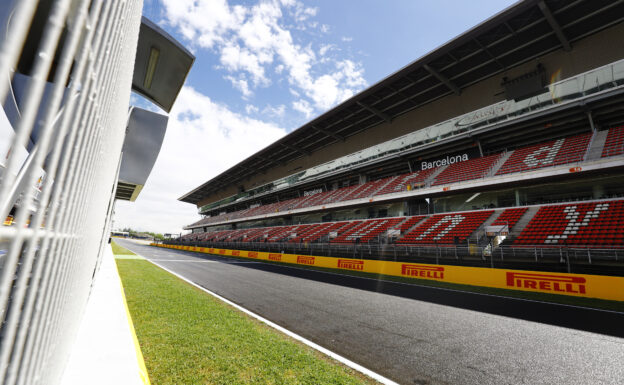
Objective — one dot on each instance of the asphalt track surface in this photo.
(414, 334)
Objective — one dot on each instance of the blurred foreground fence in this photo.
(66, 69)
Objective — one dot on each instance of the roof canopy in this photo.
(524, 31)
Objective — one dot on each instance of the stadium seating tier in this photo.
(446, 228)
(467, 170)
(597, 224)
(510, 217)
(552, 153)
(614, 144)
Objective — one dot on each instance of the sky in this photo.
(263, 68)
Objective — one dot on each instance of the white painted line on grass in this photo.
(327, 352)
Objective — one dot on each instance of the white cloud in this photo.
(241, 85)
(346, 39)
(203, 139)
(251, 39)
(304, 107)
(251, 43)
(303, 13)
(234, 58)
(294, 93)
(326, 48)
(205, 21)
(325, 28)
(351, 73)
(277, 111)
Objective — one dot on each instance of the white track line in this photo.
(335, 356)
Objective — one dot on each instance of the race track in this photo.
(414, 334)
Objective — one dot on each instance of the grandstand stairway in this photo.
(506, 155)
(478, 236)
(520, 225)
(476, 168)
(430, 180)
(411, 223)
(446, 228)
(567, 150)
(492, 218)
(341, 194)
(523, 221)
(596, 145)
(389, 182)
(576, 223)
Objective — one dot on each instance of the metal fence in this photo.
(569, 258)
(61, 195)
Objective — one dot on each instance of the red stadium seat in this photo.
(614, 145)
(510, 217)
(552, 153)
(467, 170)
(446, 228)
(367, 230)
(580, 224)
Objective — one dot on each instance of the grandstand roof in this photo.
(522, 32)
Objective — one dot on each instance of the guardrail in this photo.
(566, 164)
(71, 125)
(569, 259)
(578, 285)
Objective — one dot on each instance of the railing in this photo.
(569, 259)
(84, 63)
(561, 161)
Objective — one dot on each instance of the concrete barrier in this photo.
(580, 285)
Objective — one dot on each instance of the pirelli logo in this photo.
(351, 264)
(275, 257)
(211, 250)
(305, 260)
(554, 283)
(422, 271)
(221, 251)
(252, 254)
(235, 253)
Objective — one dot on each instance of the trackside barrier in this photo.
(67, 81)
(579, 285)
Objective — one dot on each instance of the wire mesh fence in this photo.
(59, 169)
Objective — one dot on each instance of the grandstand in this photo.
(503, 147)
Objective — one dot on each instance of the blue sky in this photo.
(266, 67)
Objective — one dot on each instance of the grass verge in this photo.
(118, 250)
(544, 297)
(189, 337)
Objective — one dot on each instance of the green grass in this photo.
(118, 250)
(545, 297)
(189, 337)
